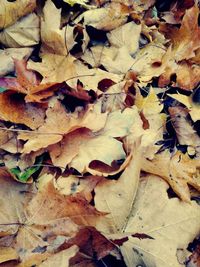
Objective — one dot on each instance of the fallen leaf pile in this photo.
(99, 133)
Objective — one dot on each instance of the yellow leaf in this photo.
(194, 109)
(8, 254)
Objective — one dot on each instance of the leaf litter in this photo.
(99, 133)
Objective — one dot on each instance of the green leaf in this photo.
(24, 176)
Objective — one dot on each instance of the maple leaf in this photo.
(23, 33)
(58, 123)
(80, 148)
(10, 13)
(14, 109)
(171, 218)
(54, 68)
(116, 197)
(27, 83)
(178, 170)
(186, 39)
(7, 55)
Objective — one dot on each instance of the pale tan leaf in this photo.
(121, 37)
(54, 68)
(10, 12)
(179, 170)
(116, 197)
(171, 223)
(7, 254)
(7, 56)
(25, 32)
(61, 258)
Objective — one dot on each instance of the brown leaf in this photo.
(93, 244)
(14, 109)
(58, 206)
(27, 83)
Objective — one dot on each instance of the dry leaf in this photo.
(28, 83)
(116, 197)
(165, 220)
(185, 133)
(58, 123)
(80, 148)
(106, 18)
(13, 197)
(121, 37)
(7, 254)
(179, 170)
(186, 39)
(14, 109)
(193, 109)
(10, 12)
(7, 56)
(23, 33)
(54, 68)
(61, 258)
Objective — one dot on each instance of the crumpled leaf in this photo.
(81, 147)
(14, 109)
(10, 12)
(58, 123)
(25, 32)
(163, 219)
(185, 133)
(106, 18)
(121, 37)
(7, 56)
(28, 83)
(179, 170)
(186, 39)
(194, 109)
